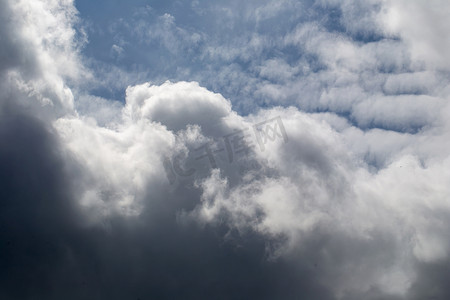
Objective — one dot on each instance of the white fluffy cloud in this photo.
(422, 26)
(42, 50)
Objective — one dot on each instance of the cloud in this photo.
(41, 49)
(176, 105)
(339, 191)
(422, 26)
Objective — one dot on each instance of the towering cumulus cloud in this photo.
(226, 150)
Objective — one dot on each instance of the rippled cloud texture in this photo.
(108, 111)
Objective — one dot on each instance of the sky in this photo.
(224, 149)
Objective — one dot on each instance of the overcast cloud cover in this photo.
(107, 190)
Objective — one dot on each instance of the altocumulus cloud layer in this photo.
(108, 112)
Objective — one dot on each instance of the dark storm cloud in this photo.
(37, 208)
(47, 253)
(432, 282)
